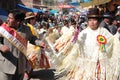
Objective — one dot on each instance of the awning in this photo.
(94, 2)
(53, 11)
(74, 3)
(20, 6)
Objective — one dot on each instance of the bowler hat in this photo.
(73, 21)
(65, 21)
(93, 13)
(107, 15)
(29, 15)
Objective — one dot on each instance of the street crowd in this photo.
(76, 46)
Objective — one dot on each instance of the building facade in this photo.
(10, 4)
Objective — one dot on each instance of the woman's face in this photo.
(93, 23)
(33, 21)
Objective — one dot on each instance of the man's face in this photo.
(11, 21)
(107, 20)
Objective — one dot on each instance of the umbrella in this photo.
(65, 6)
(94, 2)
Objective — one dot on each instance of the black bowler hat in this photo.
(65, 21)
(107, 15)
(93, 13)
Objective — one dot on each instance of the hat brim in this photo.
(29, 17)
(93, 16)
(107, 16)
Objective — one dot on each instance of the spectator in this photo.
(106, 21)
(31, 21)
(113, 27)
(13, 49)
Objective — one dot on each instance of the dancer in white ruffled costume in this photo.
(94, 56)
(65, 43)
